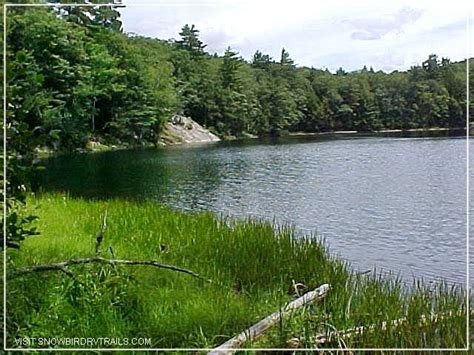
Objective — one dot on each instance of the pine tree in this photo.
(261, 60)
(190, 40)
(229, 68)
(285, 58)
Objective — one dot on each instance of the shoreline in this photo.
(433, 130)
(254, 264)
(95, 146)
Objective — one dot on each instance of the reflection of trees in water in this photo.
(121, 174)
(187, 177)
(195, 179)
(171, 176)
(364, 195)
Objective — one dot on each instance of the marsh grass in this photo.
(253, 264)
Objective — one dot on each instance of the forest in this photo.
(73, 76)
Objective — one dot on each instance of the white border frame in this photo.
(5, 8)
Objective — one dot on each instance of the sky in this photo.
(386, 35)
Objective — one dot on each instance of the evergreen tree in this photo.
(190, 40)
(230, 65)
(261, 60)
(285, 58)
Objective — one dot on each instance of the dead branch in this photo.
(100, 234)
(62, 266)
(335, 335)
(231, 346)
(66, 271)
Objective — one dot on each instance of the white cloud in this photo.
(373, 28)
(386, 35)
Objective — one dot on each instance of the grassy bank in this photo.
(252, 265)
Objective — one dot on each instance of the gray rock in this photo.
(181, 129)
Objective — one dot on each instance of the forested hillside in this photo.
(73, 76)
(117, 268)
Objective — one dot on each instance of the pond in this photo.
(397, 204)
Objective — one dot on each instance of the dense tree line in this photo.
(73, 76)
(267, 96)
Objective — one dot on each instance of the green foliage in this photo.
(73, 77)
(280, 96)
(73, 80)
(252, 263)
(190, 40)
(18, 224)
(285, 58)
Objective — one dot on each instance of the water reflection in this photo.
(398, 204)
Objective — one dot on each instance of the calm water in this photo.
(397, 204)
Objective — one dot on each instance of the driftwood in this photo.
(62, 266)
(231, 346)
(332, 336)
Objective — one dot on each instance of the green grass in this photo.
(252, 263)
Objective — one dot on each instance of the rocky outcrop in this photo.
(181, 129)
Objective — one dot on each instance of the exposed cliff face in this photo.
(180, 130)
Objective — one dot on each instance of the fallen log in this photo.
(328, 337)
(231, 346)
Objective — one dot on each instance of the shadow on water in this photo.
(395, 203)
(129, 174)
(182, 173)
